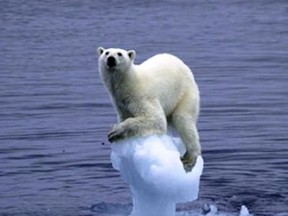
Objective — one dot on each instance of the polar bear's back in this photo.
(166, 65)
(168, 78)
(166, 68)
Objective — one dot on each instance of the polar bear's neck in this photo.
(121, 84)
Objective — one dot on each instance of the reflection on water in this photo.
(55, 113)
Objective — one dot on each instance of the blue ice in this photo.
(152, 168)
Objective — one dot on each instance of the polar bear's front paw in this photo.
(188, 161)
(116, 133)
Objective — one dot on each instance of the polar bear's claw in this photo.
(188, 161)
(114, 135)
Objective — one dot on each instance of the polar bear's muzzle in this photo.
(111, 61)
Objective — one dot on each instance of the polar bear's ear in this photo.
(132, 54)
(100, 50)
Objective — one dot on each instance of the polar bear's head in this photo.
(115, 59)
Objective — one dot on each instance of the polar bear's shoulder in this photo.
(161, 61)
(161, 58)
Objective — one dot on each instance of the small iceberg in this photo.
(244, 211)
(212, 210)
(152, 167)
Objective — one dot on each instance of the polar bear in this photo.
(148, 97)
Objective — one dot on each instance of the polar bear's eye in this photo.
(107, 53)
(119, 54)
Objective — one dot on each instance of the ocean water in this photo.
(55, 112)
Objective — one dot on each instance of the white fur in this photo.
(161, 90)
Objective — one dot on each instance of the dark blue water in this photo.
(55, 113)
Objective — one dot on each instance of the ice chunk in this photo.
(244, 211)
(213, 210)
(152, 168)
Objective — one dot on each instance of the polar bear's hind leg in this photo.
(184, 119)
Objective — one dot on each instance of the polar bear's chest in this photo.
(123, 106)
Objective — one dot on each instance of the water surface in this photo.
(55, 113)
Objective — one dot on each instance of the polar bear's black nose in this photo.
(111, 61)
